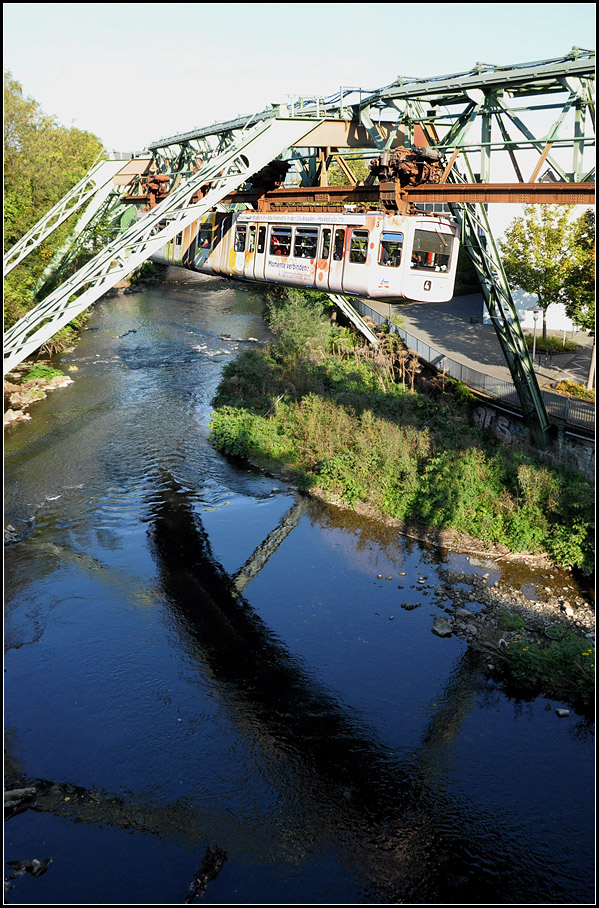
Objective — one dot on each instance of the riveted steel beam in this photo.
(504, 193)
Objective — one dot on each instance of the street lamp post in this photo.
(535, 314)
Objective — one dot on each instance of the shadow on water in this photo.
(387, 816)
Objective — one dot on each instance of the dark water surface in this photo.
(293, 714)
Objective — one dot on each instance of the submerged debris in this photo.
(211, 866)
(34, 867)
(18, 800)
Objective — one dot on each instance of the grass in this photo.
(367, 428)
(566, 665)
(42, 372)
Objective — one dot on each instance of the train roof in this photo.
(339, 217)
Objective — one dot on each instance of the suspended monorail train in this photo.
(375, 255)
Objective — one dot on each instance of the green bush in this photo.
(510, 621)
(344, 424)
(567, 664)
(575, 390)
(42, 372)
(552, 345)
(299, 325)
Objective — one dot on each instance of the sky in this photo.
(131, 73)
(134, 73)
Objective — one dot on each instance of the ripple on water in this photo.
(338, 755)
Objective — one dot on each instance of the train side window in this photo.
(358, 248)
(280, 241)
(431, 251)
(252, 239)
(306, 241)
(338, 245)
(326, 243)
(205, 237)
(390, 249)
(261, 239)
(240, 238)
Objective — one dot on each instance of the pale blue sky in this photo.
(131, 73)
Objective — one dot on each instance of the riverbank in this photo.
(20, 392)
(368, 433)
(555, 601)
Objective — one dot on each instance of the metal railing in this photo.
(576, 413)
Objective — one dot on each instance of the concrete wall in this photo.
(568, 450)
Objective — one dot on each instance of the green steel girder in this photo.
(222, 175)
(484, 95)
(478, 241)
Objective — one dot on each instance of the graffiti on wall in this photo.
(500, 425)
(572, 453)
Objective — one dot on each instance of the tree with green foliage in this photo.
(43, 160)
(338, 175)
(580, 280)
(537, 253)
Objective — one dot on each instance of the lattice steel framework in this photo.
(481, 118)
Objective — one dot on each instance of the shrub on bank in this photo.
(42, 372)
(567, 664)
(349, 423)
(573, 389)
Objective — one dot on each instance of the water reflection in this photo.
(283, 759)
(388, 814)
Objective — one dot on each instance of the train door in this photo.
(178, 250)
(237, 253)
(336, 261)
(386, 277)
(204, 244)
(221, 242)
(278, 252)
(323, 259)
(260, 253)
(303, 260)
(355, 272)
(250, 252)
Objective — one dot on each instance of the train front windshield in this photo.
(431, 251)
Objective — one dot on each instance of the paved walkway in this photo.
(447, 327)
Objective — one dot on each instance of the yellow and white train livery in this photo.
(373, 255)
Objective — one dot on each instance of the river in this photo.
(291, 714)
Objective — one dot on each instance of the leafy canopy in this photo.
(548, 254)
(43, 160)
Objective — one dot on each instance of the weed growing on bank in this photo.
(567, 664)
(42, 372)
(365, 427)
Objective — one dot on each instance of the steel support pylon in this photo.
(97, 179)
(478, 241)
(220, 176)
(344, 304)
